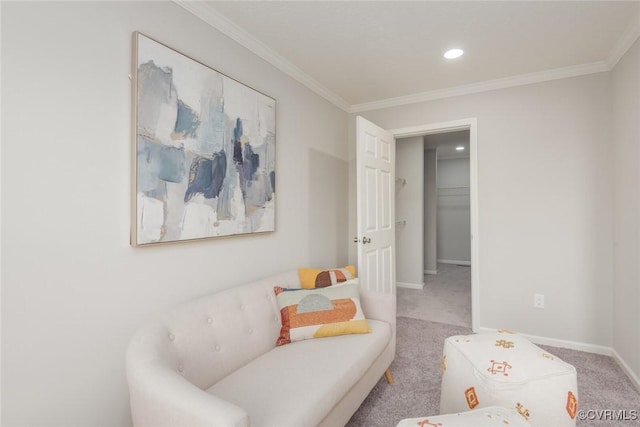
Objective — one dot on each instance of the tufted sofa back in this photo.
(206, 339)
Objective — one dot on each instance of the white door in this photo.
(375, 165)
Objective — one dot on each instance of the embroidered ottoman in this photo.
(494, 416)
(505, 369)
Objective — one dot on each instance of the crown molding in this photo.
(624, 43)
(524, 79)
(208, 14)
(223, 24)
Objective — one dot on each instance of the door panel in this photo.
(371, 200)
(371, 270)
(375, 206)
(386, 192)
(387, 269)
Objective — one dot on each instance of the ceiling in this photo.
(446, 143)
(370, 54)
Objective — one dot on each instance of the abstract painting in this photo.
(204, 150)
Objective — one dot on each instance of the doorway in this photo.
(447, 214)
(471, 192)
(440, 164)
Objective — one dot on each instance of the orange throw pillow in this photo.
(311, 278)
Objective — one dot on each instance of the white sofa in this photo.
(213, 362)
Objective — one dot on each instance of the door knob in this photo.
(365, 240)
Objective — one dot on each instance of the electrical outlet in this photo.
(538, 300)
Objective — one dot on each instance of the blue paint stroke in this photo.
(159, 162)
(251, 161)
(172, 164)
(272, 179)
(246, 160)
(187, 121)
(207, 176)
(212, 128)
(257, 184)
(237, 145)
(155, 91)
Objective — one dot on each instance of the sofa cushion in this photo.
(317, 278)
(276, 388)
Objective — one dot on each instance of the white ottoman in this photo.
(494, 416)
(505, 369)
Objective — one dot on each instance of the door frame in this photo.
(470, 124)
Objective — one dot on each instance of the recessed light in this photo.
(453, 53)
(459, 148)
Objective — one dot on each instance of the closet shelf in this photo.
(454, 192)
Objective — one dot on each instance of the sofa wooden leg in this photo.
(387, 375)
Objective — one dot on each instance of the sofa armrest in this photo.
(161, 397)
(379, 306)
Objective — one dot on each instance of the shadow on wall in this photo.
(329, 210)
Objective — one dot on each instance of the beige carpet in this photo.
(446, 297)
(416, 370)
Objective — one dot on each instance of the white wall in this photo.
(73, 289)
(626, 207)
(453, 173)
(454, 211)
(430, 212)
(545, 205)
(410, 208)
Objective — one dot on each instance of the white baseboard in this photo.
(627, 370)
(453, 261)
(431, 272)
(572, 345)
(580, 346)
(554, 342)
(410, 285)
